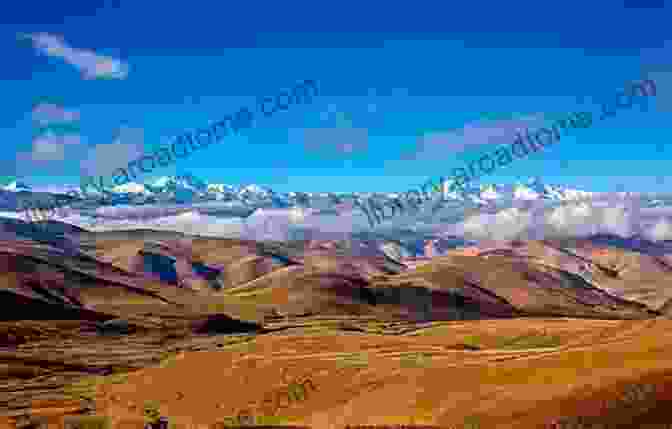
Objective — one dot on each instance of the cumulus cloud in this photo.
(503, 225)
(614, 215)
(473, 134)
(263, 224)
(192, 223)
(660, 231)
(103, 159)
(45, 114)
(47, 154)
(56, 140)
(144, 212)
(91, 65)
(622, 217)
(52, 148)
(292, 224)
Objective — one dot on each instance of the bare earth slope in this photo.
(523, 331)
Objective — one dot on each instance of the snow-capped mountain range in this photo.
(533, 189)
(187, 189)
(473, 213)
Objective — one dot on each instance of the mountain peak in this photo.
(17, 186)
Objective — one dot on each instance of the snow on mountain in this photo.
(188, 189)
(220, 188)
(89, 190)
(254, 190)
(185, 181)
(131, 188)
(533, 190)
(162, 182)
(58, 189)
(573, 194)
(17, 186)
(187, 204)
(522, 192)
(189, 181)
(489, 192)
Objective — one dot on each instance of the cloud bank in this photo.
(45, 114)
(52, 148)
(624, 218)
(90, 64)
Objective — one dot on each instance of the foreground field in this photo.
(521, 373)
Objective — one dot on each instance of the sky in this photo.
(399, 85)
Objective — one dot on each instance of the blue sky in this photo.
(388, 75)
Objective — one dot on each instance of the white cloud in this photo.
(503, 225)
(47, 113)
(89, 63)
(187, 223)
(283, 224)
(47, 154)
(661, 230)
(52, 148)
(609, 215)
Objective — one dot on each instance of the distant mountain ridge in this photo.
(188, 188)
(188, 204)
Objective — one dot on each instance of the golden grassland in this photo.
(522, 373)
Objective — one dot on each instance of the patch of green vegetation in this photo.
(425, 269)
(525, 341)
(87, 422)
(416, 360)
(242, 345)
(353, 360)
(529, 341)
(117, 378)
(151, 411)
(167, 358)
(473, 341)
(84, 388)
(249, 420)
(471, 422)
(271, 420)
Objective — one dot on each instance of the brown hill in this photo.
(109, 303)
(636, 273)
